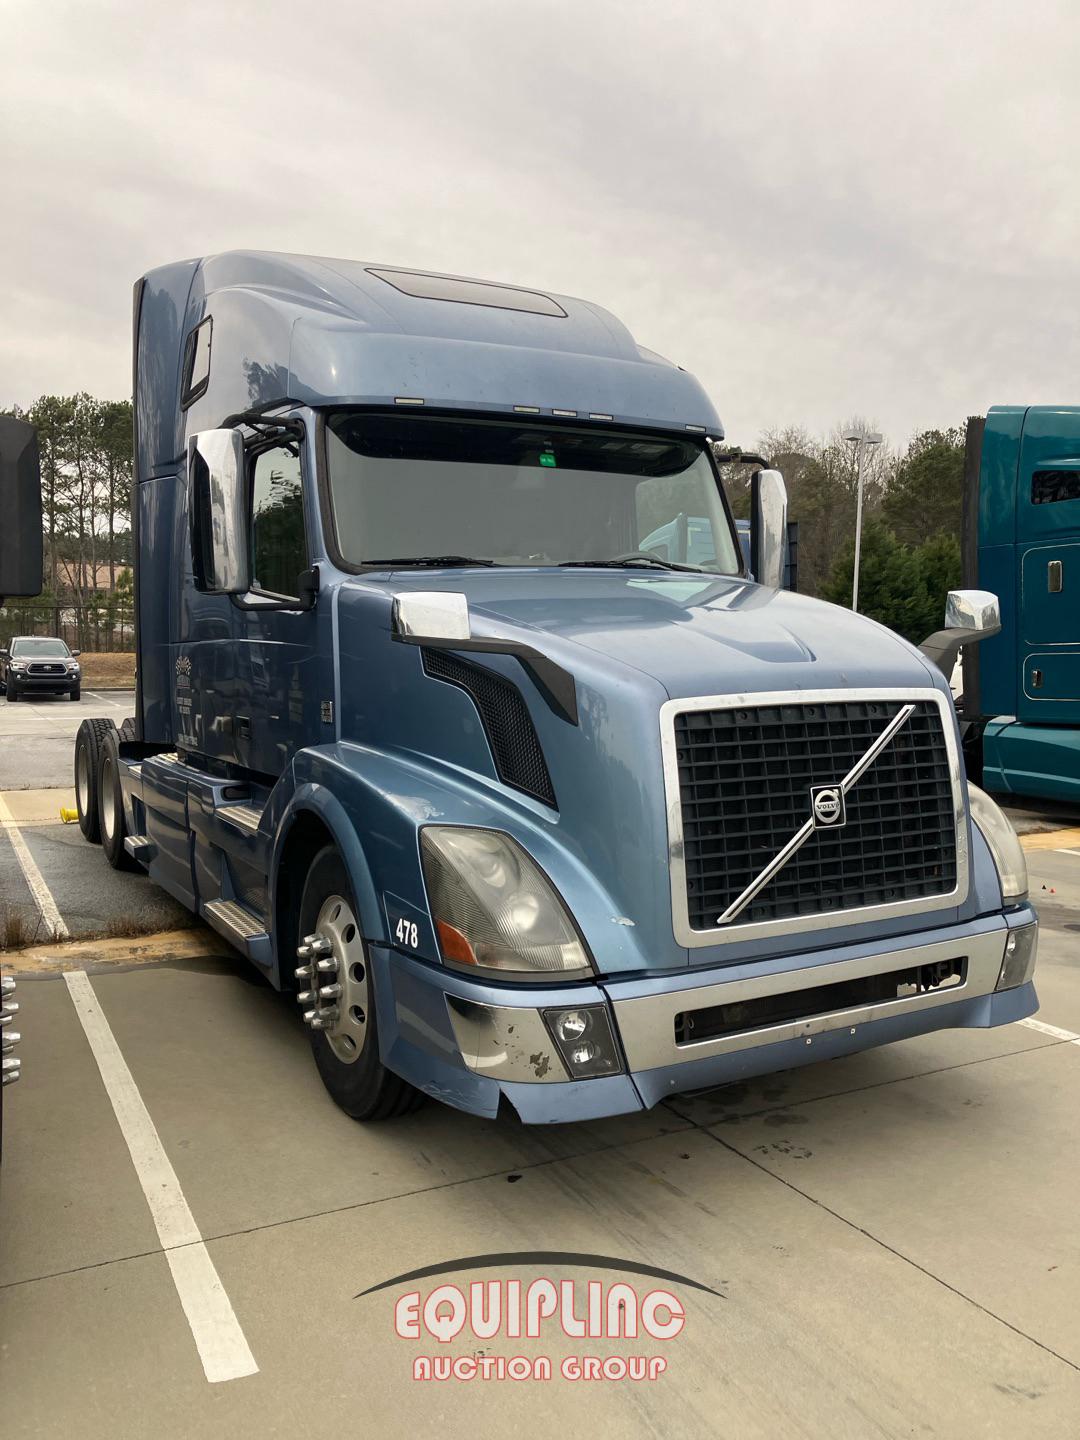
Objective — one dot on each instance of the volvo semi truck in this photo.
(1022, 539)
(524, 810)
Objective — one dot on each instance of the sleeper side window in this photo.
(278, 542)
(197, 363)
(1050, 487)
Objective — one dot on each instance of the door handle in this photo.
(1054, 577)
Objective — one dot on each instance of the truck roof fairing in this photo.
(326, 332)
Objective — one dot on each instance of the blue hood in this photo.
(694, 635)
(632, 640)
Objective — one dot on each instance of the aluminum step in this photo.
(233, 920)
(242, 928)
(140, 847)
(245, 817)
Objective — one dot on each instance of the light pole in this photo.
(860, 439)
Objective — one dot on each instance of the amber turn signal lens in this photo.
(454, 945)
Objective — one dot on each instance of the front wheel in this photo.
(338, 996)
(10, 692)
(76, 694)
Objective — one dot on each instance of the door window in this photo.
(278, 543)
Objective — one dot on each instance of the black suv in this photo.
(33, 665)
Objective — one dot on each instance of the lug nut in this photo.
(7, 986)
(302, 972)
(305, 997)
(10, 1040)
(303, 952)
(329, 992)
(326, 967)
(10, 1070)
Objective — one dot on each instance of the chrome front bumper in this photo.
(509, 1043)
(646, 1023)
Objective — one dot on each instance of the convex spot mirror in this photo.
(970, 616)
(218, 499)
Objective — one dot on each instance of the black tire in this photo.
(364, 1088)
(127, 729)
(11, 693)
(111, 803)
(76, 694)
(88, 744)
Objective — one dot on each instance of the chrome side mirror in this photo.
(970, 616)
(768, 527)
(975, 610)
(432, 615)
(218, 500)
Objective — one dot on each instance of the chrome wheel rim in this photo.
(333, 970)
(82, 781)
(108, 810)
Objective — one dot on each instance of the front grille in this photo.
(745, 777)
(515, 745)
(45, 669)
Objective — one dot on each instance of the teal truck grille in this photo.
(745, 782)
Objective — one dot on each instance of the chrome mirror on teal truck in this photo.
(218, 512)
(768, 527)
(970, 615)
(20, 509)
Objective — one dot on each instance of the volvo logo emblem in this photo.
(827, 807)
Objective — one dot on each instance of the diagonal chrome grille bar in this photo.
(799, 839)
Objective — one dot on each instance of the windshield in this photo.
(39, 649)
(410, 488)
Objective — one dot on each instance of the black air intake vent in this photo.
(515, 746)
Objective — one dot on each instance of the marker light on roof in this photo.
(569, 414)
(407, 400)
(527, 409)
(594, 416)
(699, 428)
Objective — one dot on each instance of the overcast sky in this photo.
(821, 209)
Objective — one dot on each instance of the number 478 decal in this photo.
(406, 933)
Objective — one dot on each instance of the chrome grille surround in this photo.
(685, 934)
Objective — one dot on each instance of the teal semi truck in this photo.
(1022, 541)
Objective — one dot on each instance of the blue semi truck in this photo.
(1022, 540)
(525, 811)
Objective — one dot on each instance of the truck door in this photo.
(1048, 552)
(280, 641)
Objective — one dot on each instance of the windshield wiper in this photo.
(443, 561)
(625, 561)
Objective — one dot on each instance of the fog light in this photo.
(585, 1058)
(1018, 962)
(571, 1024)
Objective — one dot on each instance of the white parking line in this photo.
(1067, 852)
(1053, 1030)
(120, 704)
(43, 896)
(222, 1346)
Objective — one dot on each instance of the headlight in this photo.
(73, 666)
(1003, 842)
(493, 907)
(18, 664)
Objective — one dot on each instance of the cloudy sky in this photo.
(847, 206)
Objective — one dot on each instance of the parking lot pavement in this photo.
(891, 1237)
(37, 734)
(38, 850)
